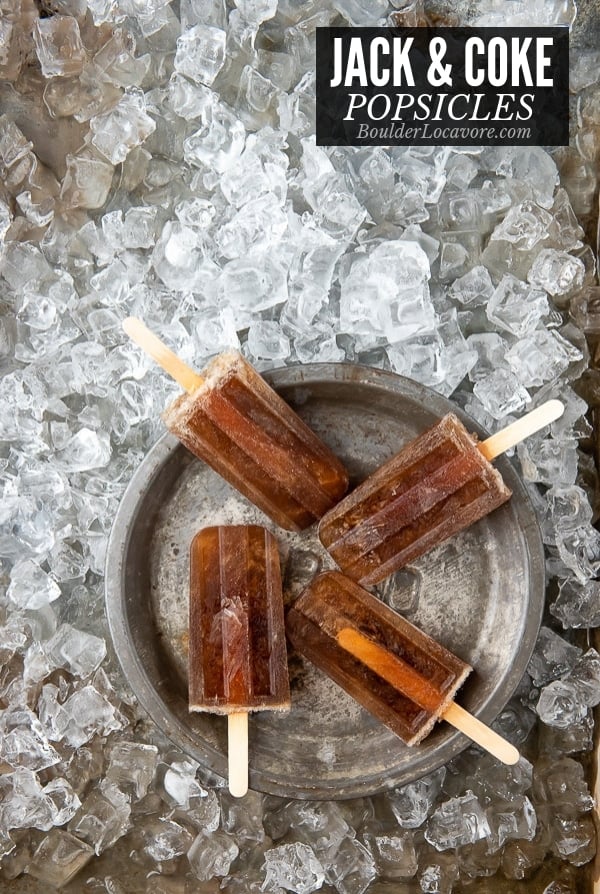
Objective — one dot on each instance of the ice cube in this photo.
(178, 783)
(258, 228)
(586, 678)
(516, 307)
(386, 292)
(219, 142)
(577, 603)
(293, 867)
(102, 10)
(585, 310)
(501, 393)
(530, 164)
(561, 784)
(85, 450)
(457, 822)
(30, 587)
(200, 53)
(165, 840)
(521, 858)
(189, 100)
(243, 818)
(457, 356)
(132, 765)
(87, 180)
(493, 780)
(560, 704)
(103, 817)
(136, 229)
(575, 840)
(572, 423)
(557, 272)
(58, 45)
(83, 715)
(524, 226)
(553, 656)
(14, 636)
(437, 873)
(548, 460)
(257, 11)
(256, 282)
(318, 349)
(455, 258)
(195, 213)
(254, 176)
(514, 819)
(421, 360)
(412, 803)
(64, 799)
(491, 349)
(266, 341)
(336, 208)
(320, 825)
(579, 550)
(461, 170)
(78, 652)
(351, 869)
(178, 257)
(24, 742)
(558, 741)
(209, 12)
(85, 765)
(58, 858)
(24, 804)
(256, 100)
(212, 855)
(203, 813)
(117, 132)
(362, 12)
(214, 331)
(541, 357)
(394, 854)
(473, 288)
(38, 209)
(567, 509)
(459, 211)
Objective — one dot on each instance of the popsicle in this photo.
(238, 425)
(237, 653)
(394, 670)
(439, 484)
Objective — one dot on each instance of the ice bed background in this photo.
(160, 161)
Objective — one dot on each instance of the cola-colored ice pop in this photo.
(401, 675)
(237, 653)
(234, 421)
(439, 484)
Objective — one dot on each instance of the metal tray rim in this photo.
(115, 595)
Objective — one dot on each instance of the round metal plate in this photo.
(481, 594)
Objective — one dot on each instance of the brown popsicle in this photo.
(439, 484)
(398, 673)
(238, 425)
(237, 654)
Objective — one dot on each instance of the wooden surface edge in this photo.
(595, 885)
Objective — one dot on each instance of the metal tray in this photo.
(481, 594)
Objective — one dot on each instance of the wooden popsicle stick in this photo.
(187, 377)
(237, 752)
(409, 682)
(521, 429)
(482, 734)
